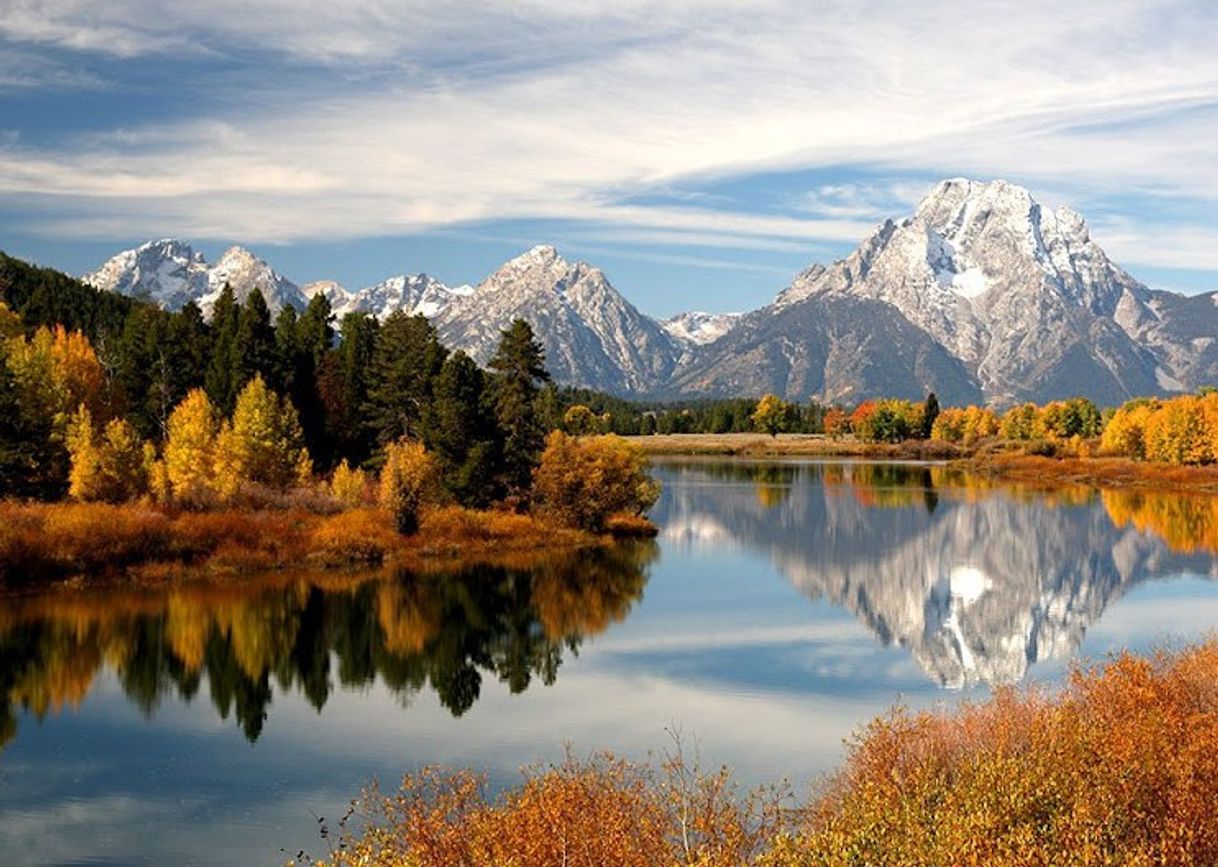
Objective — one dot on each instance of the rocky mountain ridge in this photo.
(981, 294)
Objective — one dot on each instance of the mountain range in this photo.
(981, 295)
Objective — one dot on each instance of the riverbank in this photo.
(756, 445)
(1009, 464)
(1115, 767)
(98, 542)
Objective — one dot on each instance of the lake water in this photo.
(782, 606)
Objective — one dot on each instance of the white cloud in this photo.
(561, 110)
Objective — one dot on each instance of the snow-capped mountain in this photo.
(981, 294)
(592, 335)
(697, 328)
(1021, 297)
(410, 293)
(171, 274)
(166, 272)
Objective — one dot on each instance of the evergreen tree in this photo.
(314, 339)
(343, 387)
(218, 380)
(461, 431)
(519, 365)
(20, 439)
(287, 350)
(253, 351)
(930, 412)
(406, 359)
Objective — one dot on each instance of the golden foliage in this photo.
(581, 813)
(409, 480)
(349, 486)
(770, 414)
(56, 372)
(1120, 768)
(263, 444)
(113, 468)
(355, 536)
(190, 449)
(965, 425)
(581, 482)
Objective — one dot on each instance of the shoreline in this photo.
(1097, 472)
(77, 544)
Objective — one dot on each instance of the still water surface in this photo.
(782, 606)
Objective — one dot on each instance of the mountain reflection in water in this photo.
(305, 632)
(976, 578)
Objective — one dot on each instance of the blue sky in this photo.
(700, 152)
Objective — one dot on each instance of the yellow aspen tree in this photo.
(190, 448)
(84, 473)
(409, 478)
(263, 443)
(348, 485)
(124, 475)
(770, 414)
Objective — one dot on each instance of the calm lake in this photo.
(782, 606)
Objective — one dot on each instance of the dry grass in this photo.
(40, 541)
(794, 445)
(1103, 472)
(1120, 767)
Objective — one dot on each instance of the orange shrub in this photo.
(1121, 767)
(582, 481)
(603, 811)
(355, 536)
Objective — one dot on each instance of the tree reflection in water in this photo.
(443, 631)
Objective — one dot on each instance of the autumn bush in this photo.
(1121, 767)
(349, 486)
(582, 813)
(581, 482)
(409, 480)
(355, 536)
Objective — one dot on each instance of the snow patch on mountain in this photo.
(698, 328)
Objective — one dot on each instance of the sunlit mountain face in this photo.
(977, 581)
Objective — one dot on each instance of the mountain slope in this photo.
(592, 335)
(832, 348)
(1022, 296)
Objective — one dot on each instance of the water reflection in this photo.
(443, 632)
(977, 579)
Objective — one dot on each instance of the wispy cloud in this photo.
(563, 110)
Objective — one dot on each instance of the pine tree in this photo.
(19, 439)
(287, 351)
(406, 360)
(253, 351)
(519, 365)
(930, 412)
(343, 387)
(218, 381)
(314, 342)
(461, 431)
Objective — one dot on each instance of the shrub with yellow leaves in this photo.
(582, 482)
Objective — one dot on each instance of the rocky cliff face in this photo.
(592, 335)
